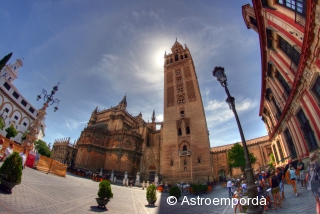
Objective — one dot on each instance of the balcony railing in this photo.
(184, 153)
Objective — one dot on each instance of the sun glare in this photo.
(159, 58)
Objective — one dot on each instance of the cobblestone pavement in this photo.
(45, 193)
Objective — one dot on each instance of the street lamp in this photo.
(48, 98)
(34, 128)
(219, 73)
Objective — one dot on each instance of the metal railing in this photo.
(184, 153)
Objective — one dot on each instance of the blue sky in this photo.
(101, 50)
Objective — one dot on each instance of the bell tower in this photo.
(185, 155)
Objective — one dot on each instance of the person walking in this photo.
(8, 152)
(275, 190)
(229, 186)
(300, 167)
(313, 172)
(280, 178)
(293, 177)
(23, 156)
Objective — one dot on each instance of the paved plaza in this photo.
(46, 193)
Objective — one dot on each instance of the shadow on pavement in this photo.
(98, 209)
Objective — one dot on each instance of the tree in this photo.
(271, 163)
(11, 132)
(2, 124)
(236, 157)
(24, 135)
(42, 148)
(4, 60)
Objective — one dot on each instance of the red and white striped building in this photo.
(290, 65)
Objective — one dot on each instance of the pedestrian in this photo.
(275, 190)
(236, 201)
(293, 177)
(300, 167)
(312, 178)
(229, 186)
(8, 152)
(244, 185)
(280, 179)
(23, 156)
(130, 184)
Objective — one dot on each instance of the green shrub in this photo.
(11, 132)
(11, 169)
(175, 191)
(151, 193)
(105, 190)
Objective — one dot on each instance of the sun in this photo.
(159, 57)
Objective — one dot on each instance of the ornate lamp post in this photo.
(34, 127)
(218, 72)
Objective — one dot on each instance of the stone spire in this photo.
(153, 118)
(123, 103)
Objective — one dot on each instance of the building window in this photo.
(7, 86)
(182, 114)
(269, 38)
(179, 132)
(167, 62)
(270, 70)
(185, 169)
(185, 162)
(316, 89)
(278, 115)
(16, 117)
(199, 160)
(176, 57)
(179, 79)
(188, 130)
(148, 141)
(171, 60)
(180, 89)
(171, 162)
(289, 50)
(24, 103)
(269, 151)
(296, 5)
(307, 130)
(283, 82)
(6, 110)
(289, 141)
(275, 153)
(185, 56)
(184, 148)
(181, 56)
(280, 150)
(31, 110)
(15, 94)
(24, 123)
(181, 100)
(253, 22)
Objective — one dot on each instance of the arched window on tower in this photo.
(179, 132)
(185, 56)
(176, 57)
(182, 114)
(181, 56)
(185, 162)
(184, 148)
(188, 130)
(171, 60)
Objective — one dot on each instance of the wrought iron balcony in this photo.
(184, 153)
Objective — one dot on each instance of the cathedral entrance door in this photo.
(152, 176)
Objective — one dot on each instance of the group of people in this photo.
(272, 181)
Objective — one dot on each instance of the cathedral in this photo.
(117, 144)
(179, 150)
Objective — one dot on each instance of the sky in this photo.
(101, 50)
